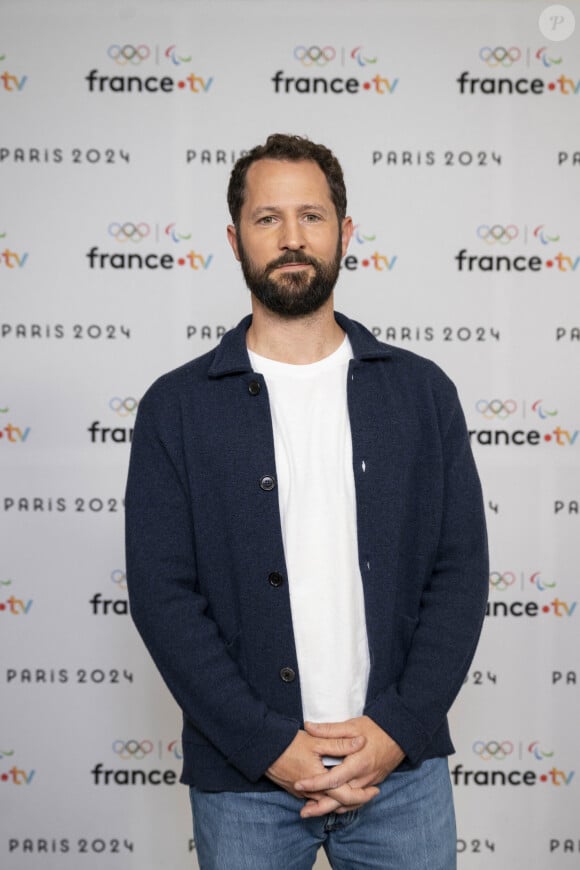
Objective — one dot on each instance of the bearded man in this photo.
(306, 555)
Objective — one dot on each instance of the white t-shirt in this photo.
(313, 447)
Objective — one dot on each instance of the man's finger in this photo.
(341, 810)
(339, 747)
(322, 807)
(336, 776)
(332, 729)
(352, 798)
(341, 800)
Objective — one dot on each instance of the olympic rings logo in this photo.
(123, 407)
(499, 56)
(501, 582)
(120, 578)
(314, 55)
(132, 749)
(497, 233)
(496, 408)
(493, 750)
(124, 54)
(129, 232)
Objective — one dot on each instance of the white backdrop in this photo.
(457, 125)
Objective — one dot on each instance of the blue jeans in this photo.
(410, 825)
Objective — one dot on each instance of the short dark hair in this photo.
(280, 146)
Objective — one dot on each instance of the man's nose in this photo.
(291, 235)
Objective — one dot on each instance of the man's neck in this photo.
(294, 340)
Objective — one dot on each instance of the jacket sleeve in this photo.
(452, 607)
(170, 613)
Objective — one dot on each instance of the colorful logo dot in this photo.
(367, 86)
(181, 261)
(551, 86)
(549, 263)
(180, 84)
(365, 263)
(547, 437)
(545, 608)
(544, 778)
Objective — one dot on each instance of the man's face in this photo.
(289, 242)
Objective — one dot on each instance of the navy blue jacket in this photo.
(204, 546)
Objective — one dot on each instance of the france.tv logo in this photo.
(131, 59)
(9, 81)
(504, 236)
(128, 238)
(14, 775)
(124, 407)
(9, 433)
(363, 253)
(10, 259)
(319, 59)
(12, 605)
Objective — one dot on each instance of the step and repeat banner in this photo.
(458, 126)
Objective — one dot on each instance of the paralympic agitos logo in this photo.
(131, 240)
(135, 62)
(496, 243)
(317, 72)
(548, 431)
(522, 66)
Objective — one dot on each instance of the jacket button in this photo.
(267, 483)
(275, 579)
(287, 674)
(254, 388)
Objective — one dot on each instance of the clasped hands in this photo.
(369, 755)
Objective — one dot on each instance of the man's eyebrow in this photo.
(274, 209)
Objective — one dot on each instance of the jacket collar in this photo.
(231, 355)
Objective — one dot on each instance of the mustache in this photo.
(291, 257)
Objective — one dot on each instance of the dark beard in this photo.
(295, 294)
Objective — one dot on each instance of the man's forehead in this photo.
(271, 173)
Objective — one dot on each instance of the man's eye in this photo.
(312, 218)
(267, 219)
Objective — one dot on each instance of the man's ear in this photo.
(347, 231)
(233, 240)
